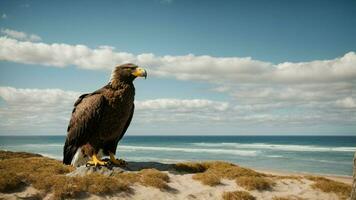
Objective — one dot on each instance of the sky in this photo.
(214, 67)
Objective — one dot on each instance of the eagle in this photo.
(100, 119)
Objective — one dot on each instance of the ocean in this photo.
(311, 154)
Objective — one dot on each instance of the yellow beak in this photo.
(140, 72)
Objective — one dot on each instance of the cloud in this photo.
(35, 109)
(182, 104)
(20, 35)
(302, 94)
(49, 109)
(187, 67)
(4, 16)
(347, 102)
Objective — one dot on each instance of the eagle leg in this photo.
(118, 162)
(96, 161)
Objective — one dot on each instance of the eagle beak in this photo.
(140, 72)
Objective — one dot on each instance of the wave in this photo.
(37, 145)
(274, 156)
(192, 150)
(282, 147)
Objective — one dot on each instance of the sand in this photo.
(182, 186)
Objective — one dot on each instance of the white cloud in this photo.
(188, 67)
(182, 105)
(4, 16)
(18, 35)
(49, 109)
(263, 93)
(35, 109)
(347, 102)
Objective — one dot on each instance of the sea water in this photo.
(313, 154)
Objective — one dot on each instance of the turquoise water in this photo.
(315, 154)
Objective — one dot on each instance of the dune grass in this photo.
(9, 154)
(237, 195)
(16, 172)
(207, 178)
(153, 178)
(255, 183)
(190, 167)
(326, 185)
(211, 173)
(48, 176)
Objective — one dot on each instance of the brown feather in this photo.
(100, 119)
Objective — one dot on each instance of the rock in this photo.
(137, 166)
(111, 169)
(104, 170)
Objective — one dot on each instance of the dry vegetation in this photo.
(326, 185)
(48, 176)
(255, 183)
(153, 178)
(190, 167)
(9, 154)
(211, 173)
(207, 178)
(238, 195)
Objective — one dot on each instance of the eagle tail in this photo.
(69, 151)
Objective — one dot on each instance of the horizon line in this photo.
(175, 135)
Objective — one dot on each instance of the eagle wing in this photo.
(87, 113)
(127, 123)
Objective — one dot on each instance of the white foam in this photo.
(37, 145)
(274, 156)
(193, 150)
(282, 147)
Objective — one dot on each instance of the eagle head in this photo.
(127, 73)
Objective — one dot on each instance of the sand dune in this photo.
(159, 181)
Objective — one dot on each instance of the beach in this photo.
(327, 155)
(31, 179)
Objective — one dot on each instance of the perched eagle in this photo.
(100, 119)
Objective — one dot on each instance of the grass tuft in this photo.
(211, 173)
(343, 190)
(255, 183)
(238, 195)
(9, 181)
(190, 167)
(9, 154)
(207, 178)
(154, 178)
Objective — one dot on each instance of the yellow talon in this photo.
(96, 161)
(118, 162)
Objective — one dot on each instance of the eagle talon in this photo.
(96, 161)
(119, 162)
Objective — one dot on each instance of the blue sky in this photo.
(290, 66)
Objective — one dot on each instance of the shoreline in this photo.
(337, 177)
(154, 180)
(340, 178)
